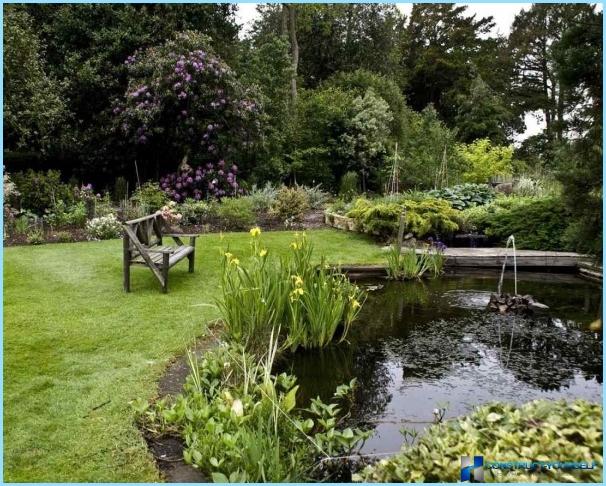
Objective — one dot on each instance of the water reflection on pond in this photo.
(417, 345)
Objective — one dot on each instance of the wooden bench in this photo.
(143, 245)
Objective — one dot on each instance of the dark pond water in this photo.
(423, 345)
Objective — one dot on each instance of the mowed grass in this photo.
(74, 341)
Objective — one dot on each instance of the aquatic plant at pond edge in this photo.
(240, 423)
(410, 264)
(310, 303)
(538, 430)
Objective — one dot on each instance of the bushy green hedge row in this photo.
(537, 431)
(536, 223)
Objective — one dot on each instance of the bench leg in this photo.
(126, 279)
(126, 263)
(192, 258)
(165, 257)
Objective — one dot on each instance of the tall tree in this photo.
(441, 46)
(578, 65)
(33, 104)
(481, 113)
(535, 84)
(339, 37)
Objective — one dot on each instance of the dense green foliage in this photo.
(40, 190)
(425, 217)
(536, 223)
(290, 204)
(482, 161)
(539, 430)
(239, 422)
(424, 101)
(235, 213)
(33, 106)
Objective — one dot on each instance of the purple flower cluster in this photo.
(204, 182)
(84, 192)
(437, 245)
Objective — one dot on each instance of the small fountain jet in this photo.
(513, 304)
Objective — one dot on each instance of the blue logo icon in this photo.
(473, 473)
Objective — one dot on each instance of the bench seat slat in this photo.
(179, 253)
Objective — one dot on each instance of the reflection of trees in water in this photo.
(320, 372)
(541, 353)
(430, 352)
(538, 352)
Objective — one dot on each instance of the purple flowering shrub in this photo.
(184, 100)
(205, 182)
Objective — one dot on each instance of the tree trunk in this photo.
(560, 112)
(292, 10)
(284, 24)
(545, 77)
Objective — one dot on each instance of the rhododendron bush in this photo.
(184, 101)
(207, 181)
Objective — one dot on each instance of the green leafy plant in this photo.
(23, 223)
(484, 161)
(311, 304)
(290, 204)
(196, 212)
(316, 196)
(150, 197)
(410, 264)
(235, 213)
(62, 215)
(64, 237)
(263, 198)
(349, 186)
(41, 190)
(465, 195)
(240, 423)
(538, 430)
(428, 216)
(35, 237)
(536, 223)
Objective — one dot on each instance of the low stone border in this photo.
(339, 221)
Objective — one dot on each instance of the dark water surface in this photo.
(418, 346)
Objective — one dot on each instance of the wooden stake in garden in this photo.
(393, 186)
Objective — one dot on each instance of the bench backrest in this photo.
(147, 229)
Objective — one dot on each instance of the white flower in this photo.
(237, 407)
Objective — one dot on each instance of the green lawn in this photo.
(73, 340)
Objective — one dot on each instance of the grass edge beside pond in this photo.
(73, 341)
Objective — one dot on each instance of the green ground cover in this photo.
(73, 341)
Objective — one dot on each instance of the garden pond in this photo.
(424, 345)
